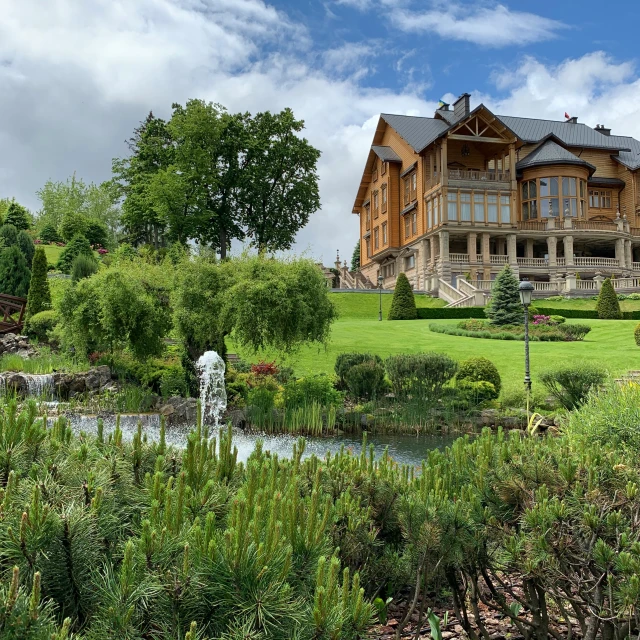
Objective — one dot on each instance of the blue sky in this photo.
(76, 76)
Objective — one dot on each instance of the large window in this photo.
(478, 208)
(367, 217)
(407, 226)
(452, 205)
(414, 185)
(429, 214)
(376, 208)
(549, 197)
(384, 198)
(414, 222)
(505, 209)
(376, 238)
(368, 247)
(406, 190)
(599, 199)
(465, 207)
(384, 233)
(410, 262)
(492, 207)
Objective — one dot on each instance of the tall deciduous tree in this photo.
(279, 189)
(152, 152)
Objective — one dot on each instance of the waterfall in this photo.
(213, 395)
(39, 385)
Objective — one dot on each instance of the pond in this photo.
(404, 449)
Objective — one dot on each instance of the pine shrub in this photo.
(79, 244)
(345, 361)
(480, 370)
(403, 305)
(17, 215)
(8, 235)
(14, 272)
(83, 266)
(25, 244)
(365, 380)
(49, 234)
(571, 384)
(39, 292)
(420, 375)
(505, 306)
(608, 306)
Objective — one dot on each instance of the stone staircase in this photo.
(632, 376)
(464, 294)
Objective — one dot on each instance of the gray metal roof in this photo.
(571, 134)
(386, 154)
(417, 132)
(630, 159)
(411, 207)
(449, 116)
(551, 152)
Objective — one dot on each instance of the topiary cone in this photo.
(403, 305)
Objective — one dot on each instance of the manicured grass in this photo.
(52, 252)
(366, 305)
(610, 344)
(583, 303)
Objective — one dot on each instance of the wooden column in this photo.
(443, 163)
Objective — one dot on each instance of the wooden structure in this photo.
(460, 195)
(12, 309)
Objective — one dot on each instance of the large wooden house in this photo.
(450, 200)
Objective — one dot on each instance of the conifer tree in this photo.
(39, 298)
(79, 244)
(25, 244)
(505, 306)
(403, 305)
(355, 258)
(8, 235)
(17, 215)
(14, 272)
(608, 307)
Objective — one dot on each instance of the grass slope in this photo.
(610, 343)
(52, 252)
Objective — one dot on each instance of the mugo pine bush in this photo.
(608, 306)
(505, 307)
(403, 305)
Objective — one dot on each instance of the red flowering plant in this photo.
(102, 251)
(540, 319)
(262, 369)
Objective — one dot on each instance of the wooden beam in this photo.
(455, 136)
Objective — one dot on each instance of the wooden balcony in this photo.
(485, 180)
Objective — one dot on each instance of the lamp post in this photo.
(526, 293)
(380, 281)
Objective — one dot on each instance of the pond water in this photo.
(405, 449)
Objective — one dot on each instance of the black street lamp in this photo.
(380, 281)
(526, 293)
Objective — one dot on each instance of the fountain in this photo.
(27, 384)
(213, 395)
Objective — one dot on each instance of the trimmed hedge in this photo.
(585, 313)
(450, 313)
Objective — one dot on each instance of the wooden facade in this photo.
(457, 191)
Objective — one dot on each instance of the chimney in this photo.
(573, 120)
(443, 106)
(461, 106)
(600, 128)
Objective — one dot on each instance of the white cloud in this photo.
(495, 26)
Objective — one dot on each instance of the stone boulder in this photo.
(179, 410)
(12, 343)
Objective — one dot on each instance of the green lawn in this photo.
(52, 252)
(366, 305)
(583, 303)
(610, 343)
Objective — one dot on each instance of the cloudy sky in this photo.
(76, 76)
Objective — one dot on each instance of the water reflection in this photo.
(405, 449)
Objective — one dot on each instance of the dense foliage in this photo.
(344, 362)
(78, 245)
(18, 216)
(139, 540)
(83, 266)
(8, 235)
(15, 274)
(355, 257)
(570, 384)
(420, 375)
(25, 244)
(480, 369)
(505, 306)
(366, 380)
(213, 177)
(39, 298)
(403, 305)
(608, 306)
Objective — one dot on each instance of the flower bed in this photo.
(543, 329)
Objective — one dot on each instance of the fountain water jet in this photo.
(213, 395)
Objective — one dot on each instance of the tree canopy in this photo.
(18, 216)
(211, 176)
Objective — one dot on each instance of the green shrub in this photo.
(15, 274)
(608, 306)
(316, 389)
(25, 244)
(473, 324)
(592, 314)
(480, 369)
(17, 216)
(636, 334)
(420, 375)
(450, 313)
(345, 361)
(173, 382)
(557, 319)
(570, 384)
(84, 266)
(49, 234)
(403, 305)
(574, 331)
(505, 306)
(8, 235)
(40, 324)
(634, 296)
(39, 298)
(477, 392)
(365, 380)
(97, 233)
(78, 244)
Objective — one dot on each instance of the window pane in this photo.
(582, 208)
(414, 223)
(525, 211)
(465, 211)
(605, 201)
(492, 198)
(492, 211)
(582, 188)
(478, 211)
(555, 207)
(505, 213)
(553, 183)
(465, 197)
(452, 210)
(572, 187)
(533, 209)
(429, 214)
(544, 186)
(407, 231)
(572, 205)
(525, 190)
(533, 192)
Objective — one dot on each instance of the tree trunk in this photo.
(223, 244)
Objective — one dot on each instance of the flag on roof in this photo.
(566, 115)
(442, 103)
